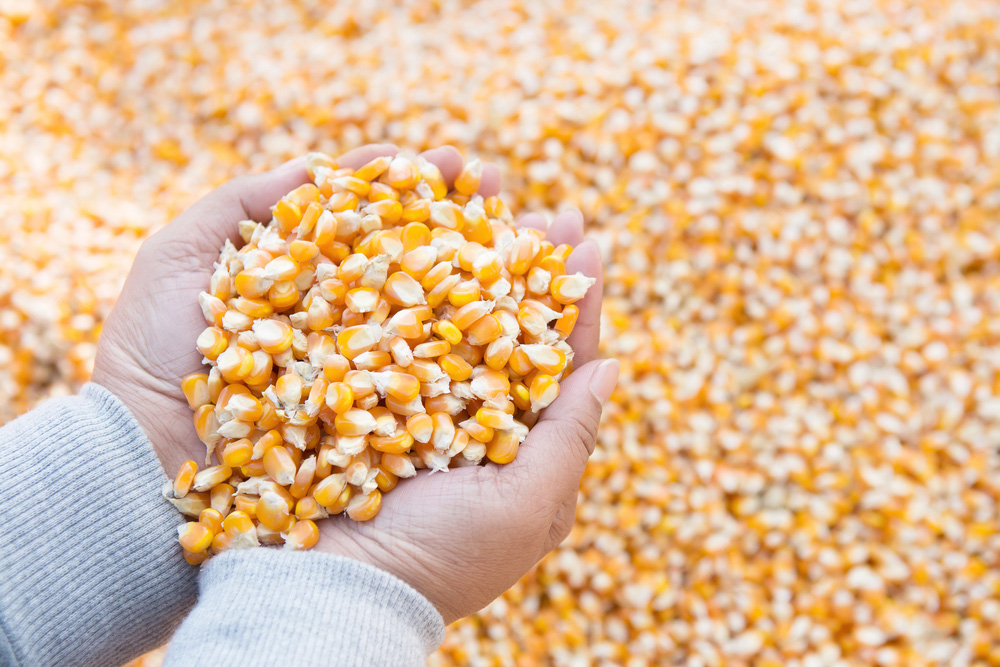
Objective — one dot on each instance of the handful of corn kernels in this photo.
(377, 325)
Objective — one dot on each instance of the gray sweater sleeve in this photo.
(92, 575)
(273, 607)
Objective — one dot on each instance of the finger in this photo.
(489, 184)
(257, 193)
(586, 258)
(205, 225)
(556, 451)
(567, 227)
(533, 221)
(362, 155)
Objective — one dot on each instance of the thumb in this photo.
(556, 451)
(214, 218)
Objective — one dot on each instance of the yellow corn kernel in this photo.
(365, 507)
(357, 339)
(567, 322)
(372, 170)
(184, 478)
(543, 390)
(521, 255)
(194, 537)
(283, 295)
(304, 194)
(432, 349)
(493, 418)
(303, 535)
(195, 559)
(469, 314)
(221, 498)
(484, 330)
(362, 299)
(467, 181)
(420, 426)
(402, 290)
(205, 479)
(498, 352)
(417, 211)
(212, 342)
(401, 386)
(358, 186)
(279, 466)
(457, 368)
(447, 330)
(288, 214)
(245, 504)
(477, 225)
(335, 367)
(211, 519)
(487, 267)
(329, 489)
(444, 430)
(308, 508)
(397, 443)
(425, 370)
(477, 431)
(379, 191)
(446, 215)
(192, 504)
(520, 395)
(503, 448)
(567, 289)
(519, 362)
(273, 511)
(437, 294)
(206, 425)
(546, 358)
(355, 422)
(464, 292)
(303, 478)
(360, 382)
(237, 453)
(419, 262)
(339, 397)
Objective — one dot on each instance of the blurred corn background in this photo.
(797, 201)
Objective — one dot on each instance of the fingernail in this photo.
(604, 379)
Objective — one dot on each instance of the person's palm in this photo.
(461, 537)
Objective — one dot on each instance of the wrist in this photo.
(146, 404)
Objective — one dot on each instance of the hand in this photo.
(464, 537)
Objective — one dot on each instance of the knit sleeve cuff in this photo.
(268, 606)
(92, 572)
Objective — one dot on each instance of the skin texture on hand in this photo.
(462, 537)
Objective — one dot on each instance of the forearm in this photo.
(92, 572)
(273, 607)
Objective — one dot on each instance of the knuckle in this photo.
(581, 428)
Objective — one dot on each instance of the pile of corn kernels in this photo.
(378, 324)
(797, 202)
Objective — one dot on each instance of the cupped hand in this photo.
(461, 538)
(465, 536)
(148, 343)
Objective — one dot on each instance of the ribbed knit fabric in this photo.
(90, 573)
(273, 607)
